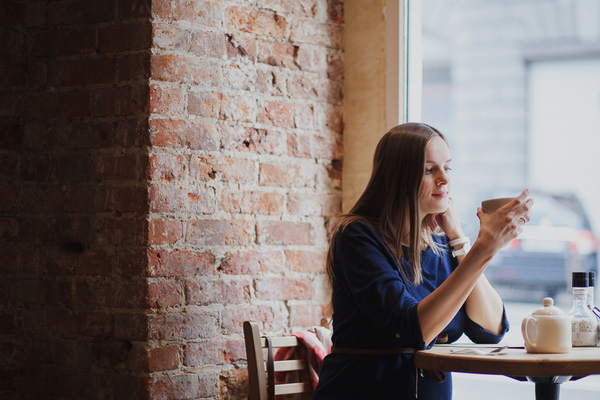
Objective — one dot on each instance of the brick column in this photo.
(168, 169)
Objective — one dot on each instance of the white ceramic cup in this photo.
(491, 205)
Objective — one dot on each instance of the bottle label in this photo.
(580, 294)
(584, 332)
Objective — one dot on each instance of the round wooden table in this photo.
(547, 371)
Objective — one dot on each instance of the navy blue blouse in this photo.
(375, 307)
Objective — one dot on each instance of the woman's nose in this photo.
(442, 178)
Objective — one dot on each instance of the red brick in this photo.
(307, 315)
(335, 11)
(304, 8)
(12, 138)
(335, 66)
(88, 262)
(74, 105)
(164, 231)
(284, 233)
(315, 89)
(201, 354)
(278, 54)
(95, 324)
(131, 327)
(251, 262)
(204, 13)
(77, 42)
(225, 107)
(130, 199)
(167, 167)
(239, 77)
(131, 295)
(203, 293)
(166, 100)
(278, 288)
(166, 198)
(241, 47)
(317, 34)
(132, 133)
(306, 261)
(277, 113)
(9, 165)
(190, 326)
(252, 202)
(257, 22)
(121, 167)
(208, 44)
(84, 71)
(125, 37)
(133, 9)
(287, 175)
(234, 384)
(122, 231)
(12, 11)
(182, 134)
(169, 37)
(163, 358)
(299, 145)
(133, 67)
(9, 199)
(219, 232)
(271, 82)
(251, 140)
(80, 12)
(335, 120)
(214, 353)
(11, 104)
(13, 73)
(164, 294)
(41, 105)
(312, 204)
(205, 104)
(168, 263)
(310, 59)
(122, 101)
(201, 200)
(76, 135)
(226, 169)
(270, 319)
(131, 262)
(173, 68)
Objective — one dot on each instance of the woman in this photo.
(403, 277)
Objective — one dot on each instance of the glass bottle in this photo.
(590, 302)
(591, 289)
(584, 326)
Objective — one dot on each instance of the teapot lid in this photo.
(549, 308)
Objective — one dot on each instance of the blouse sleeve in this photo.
(370, 275)
(477, 334)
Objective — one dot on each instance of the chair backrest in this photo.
(257, 367)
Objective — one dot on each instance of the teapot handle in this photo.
(524, 324)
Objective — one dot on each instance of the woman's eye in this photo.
(448, 169)
(427, 171)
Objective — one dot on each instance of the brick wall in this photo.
(168, 169)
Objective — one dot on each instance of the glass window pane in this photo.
(515, 86)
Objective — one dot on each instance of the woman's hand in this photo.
(501, 227)
(448, 221)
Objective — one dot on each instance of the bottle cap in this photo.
(592, 278)
(580, 279)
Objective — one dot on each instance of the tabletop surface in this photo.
(514, 361)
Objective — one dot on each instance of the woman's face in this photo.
(436, 183)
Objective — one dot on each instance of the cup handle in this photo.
(524, 325)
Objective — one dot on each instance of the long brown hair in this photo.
(390, 201)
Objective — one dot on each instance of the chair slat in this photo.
(288, 365)
(281, 341)
(289, 388)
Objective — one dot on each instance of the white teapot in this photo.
(547, 330)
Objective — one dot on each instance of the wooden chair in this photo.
(258, 368)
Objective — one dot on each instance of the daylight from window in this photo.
(515, 86)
